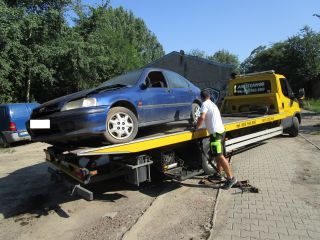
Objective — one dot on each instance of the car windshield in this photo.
(128, 79)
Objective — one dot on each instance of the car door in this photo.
(183, 95)
(156, 99)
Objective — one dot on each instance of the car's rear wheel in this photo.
(195, 113)
(3, 142)
(121, 125)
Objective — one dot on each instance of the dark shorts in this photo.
(217, 143)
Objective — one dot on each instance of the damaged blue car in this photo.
(116, 109)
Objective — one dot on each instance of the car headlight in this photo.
(84, 102)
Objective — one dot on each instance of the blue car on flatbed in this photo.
(13, 118)
(118, 107)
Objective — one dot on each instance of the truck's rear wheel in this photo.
(294, 129)
(206, 156)
(121, 125)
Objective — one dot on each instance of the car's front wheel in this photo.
(121, 125)
(195, 113)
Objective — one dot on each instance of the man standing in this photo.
(210, 114)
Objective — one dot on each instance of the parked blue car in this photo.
(118, 107)
(13, 118)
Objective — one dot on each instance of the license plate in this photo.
(40, 124)
(23, 133)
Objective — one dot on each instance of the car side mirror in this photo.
(143, 86)
(301, 93)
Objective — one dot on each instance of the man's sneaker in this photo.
(215, 176)
(229, 183)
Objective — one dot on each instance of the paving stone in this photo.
(245, 233)
(264, 235)
(241, 226)
(313, 235)
(259, 228)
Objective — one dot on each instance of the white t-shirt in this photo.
(213, 119)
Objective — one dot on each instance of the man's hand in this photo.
(192, 127)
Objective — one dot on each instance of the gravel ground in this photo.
(32, 207)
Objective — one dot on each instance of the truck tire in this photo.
(121, 125)
(3, 142)
(294, 129)
(206, 156)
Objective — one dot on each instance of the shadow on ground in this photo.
(29, 190)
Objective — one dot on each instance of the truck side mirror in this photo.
(301, 93)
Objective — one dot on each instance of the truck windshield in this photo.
(247, 88)
(128, 79)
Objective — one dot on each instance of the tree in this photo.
(197, 53)
(224, 56)
(298, 58)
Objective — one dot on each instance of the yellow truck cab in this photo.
(264, 93)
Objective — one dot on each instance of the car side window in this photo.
(156, 79)
(176, 81)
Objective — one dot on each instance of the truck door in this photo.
(287, 101)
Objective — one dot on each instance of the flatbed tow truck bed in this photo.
(133, 159)
(174, 133)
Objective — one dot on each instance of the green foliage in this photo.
(224, 56)
(197, 53)
(221, 56)
(312, 105)
(44, 58)
(298, 58)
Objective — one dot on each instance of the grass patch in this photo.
(312, 105)
(7, 150)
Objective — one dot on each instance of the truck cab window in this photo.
(285, 87)
(156, 80)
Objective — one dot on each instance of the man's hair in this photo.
(204, 94)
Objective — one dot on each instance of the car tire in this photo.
(195, 113)
(121, 125)
(3, 142)
(294, 129)
(205, 157)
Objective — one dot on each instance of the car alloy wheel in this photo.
(195, 113)
(121, 125)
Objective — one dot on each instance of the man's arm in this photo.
(200, 120)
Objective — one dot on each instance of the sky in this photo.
(238, 26)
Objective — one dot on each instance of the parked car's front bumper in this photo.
(72, 124)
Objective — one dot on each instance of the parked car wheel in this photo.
(3, 142)
(121, 125)
(195, 113)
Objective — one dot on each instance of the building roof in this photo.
(204, 60)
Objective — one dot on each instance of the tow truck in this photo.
(257, 106)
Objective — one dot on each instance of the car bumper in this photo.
(16, 136)
(72, 124)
